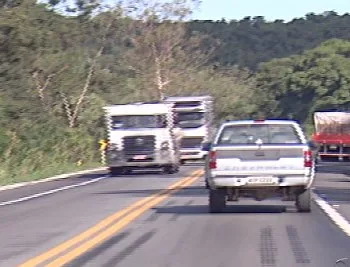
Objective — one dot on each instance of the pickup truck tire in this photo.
(217, 200)
(303, 201)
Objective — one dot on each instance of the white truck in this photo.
(259, 159)
(194, 115)
(142, 135)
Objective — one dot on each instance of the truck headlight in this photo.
(112, 147)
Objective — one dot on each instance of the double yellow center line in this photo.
(80, 244)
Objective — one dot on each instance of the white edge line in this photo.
(11, 202)
(333, 214)
(56, 177)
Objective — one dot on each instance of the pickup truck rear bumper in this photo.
(247, 182)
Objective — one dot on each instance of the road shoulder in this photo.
(332, 193)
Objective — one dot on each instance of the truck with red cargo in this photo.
(332, 135)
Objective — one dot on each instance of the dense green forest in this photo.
(58, 70)
(252, 40)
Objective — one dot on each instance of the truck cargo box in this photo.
(332, 127)
(332, 134)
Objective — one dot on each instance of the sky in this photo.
(270, 9)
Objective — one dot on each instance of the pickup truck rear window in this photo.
(254, 134)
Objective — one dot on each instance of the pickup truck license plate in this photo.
(140, 157)
(261, 180)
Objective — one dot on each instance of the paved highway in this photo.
(157, 220)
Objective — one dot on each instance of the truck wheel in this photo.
(177, 168)
(171, 169)
(206, 184)
(127, 171)
(303, 201)
(116, 170)
(217, 200)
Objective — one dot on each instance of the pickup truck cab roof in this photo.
(293, 123)
(269, 121)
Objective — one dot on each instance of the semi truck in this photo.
(332, 135)
(142, 135)
(194, 115)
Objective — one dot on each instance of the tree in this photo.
(297, 86)
(64, 78)
(232, 89)
(162, 50)
(253, 40)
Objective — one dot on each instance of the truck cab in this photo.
(194, 115)
(142, 135)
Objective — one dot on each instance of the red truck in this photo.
(332, 135)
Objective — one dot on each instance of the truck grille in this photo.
(191, 142)
(139, 145)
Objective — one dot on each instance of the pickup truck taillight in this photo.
(212, 159)
(307, 158)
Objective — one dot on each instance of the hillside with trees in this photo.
(252, 40)
(58, 70)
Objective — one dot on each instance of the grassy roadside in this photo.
(45, 172)
(45, 149)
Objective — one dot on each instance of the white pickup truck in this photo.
(259, 159)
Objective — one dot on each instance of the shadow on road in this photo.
(334, 194)
(184, 192)
(138, 173)
(334, 167)
(194, 164)
(345, 181)
(134, 174)
(88, 176)
(230, 209)
(332, 181)
(145, 174)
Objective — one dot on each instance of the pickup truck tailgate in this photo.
(255, 160)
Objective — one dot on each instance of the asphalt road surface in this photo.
(98, 224)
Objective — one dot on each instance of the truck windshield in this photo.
(190, 119)
(259, 134)
(138, 121)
